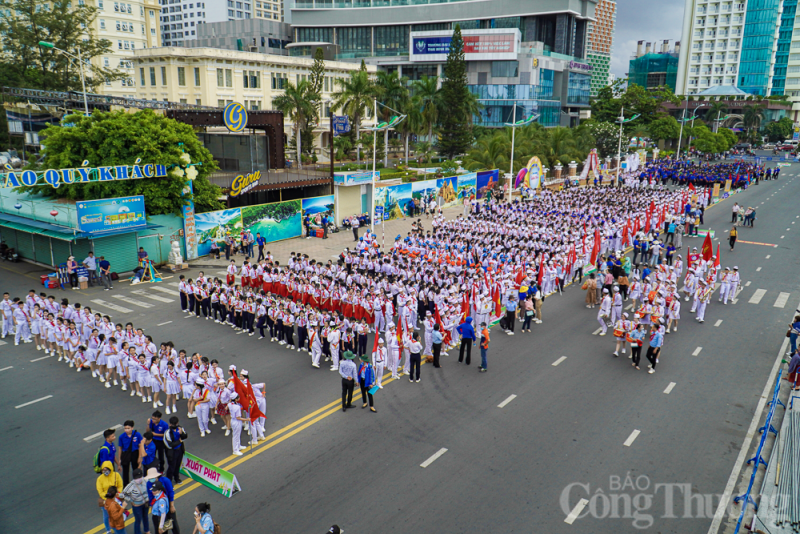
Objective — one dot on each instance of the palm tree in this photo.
(423, 151)
(490, 153)
(426, 91)
(342, 146)
(412, 124)
(752, 117)
(354, 97)
(717, 109)
(392, 92)
(298, 103)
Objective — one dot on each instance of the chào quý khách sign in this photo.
(58, 177)
(244, 183)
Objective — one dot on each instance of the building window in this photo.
(141, 75)
(505, 69)
(220, 78)
(197, 102)
(182, 76)
(153, 76)
(228, 78)
(197, 77)
(102, 24)
(163, 75)
(220, 103)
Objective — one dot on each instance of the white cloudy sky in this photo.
(643, 20)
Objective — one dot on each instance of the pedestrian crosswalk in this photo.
(145, 294)
(135, 302)
(111, 306)
(781, 301)
(757, 296)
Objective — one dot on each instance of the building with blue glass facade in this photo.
(532, 54)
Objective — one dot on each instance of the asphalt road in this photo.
(574, 425)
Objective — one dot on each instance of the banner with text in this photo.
(210, 475)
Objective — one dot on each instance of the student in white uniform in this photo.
(143, 378)
(172, 386)
(202, 398)
(333, 339)
(236, 423)
(379, 361)
(21, 323)
(315, 342)
(156, 381)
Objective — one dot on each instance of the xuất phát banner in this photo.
(210, 475)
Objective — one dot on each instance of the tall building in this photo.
(521, 53)
(600, 42)
(131, 25)
(652, 67)
(181, 18)
(745, 43)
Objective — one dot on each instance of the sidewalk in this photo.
(325, 249)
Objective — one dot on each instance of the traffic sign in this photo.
(341, 124)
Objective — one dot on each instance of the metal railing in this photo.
(62, 98)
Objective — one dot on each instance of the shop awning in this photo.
(56, 231)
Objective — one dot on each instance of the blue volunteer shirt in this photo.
(160, 428)
(108, 452)
(129, 443)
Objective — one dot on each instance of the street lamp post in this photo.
(45, 44)
(716, 122)
(513, 124)
(379, 127)
(621, 120)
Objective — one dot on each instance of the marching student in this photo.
(236, 423)
(172, 387)
(184, 293)
(202, 398)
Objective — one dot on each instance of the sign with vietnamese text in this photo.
(354, 178)
(209, 475)
(111, 215)
(501, 45)
(341, 124)
(58, 177)
(189, 223)
(378, 214)
(244, 183)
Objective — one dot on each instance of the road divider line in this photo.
(669, 388)
(505, 402)
(87, 439)
(573, 515)
(162, 324)
(600, 329)
(781, 301)
(719, 322)
(697, 351)
(558, 361)
(165, 290)
(6, 368)
(757, 296)
(757, 270)
(631, 438)
(768, 255)
(748, 283)
(42, 358)
(33, 402)
(433, 458)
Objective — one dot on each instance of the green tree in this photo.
(298, 103)
(428, 98)
(120, 138)
(606, 135)
(779, 130)
(708, 142)
(664, 128)
(316, 74)
(423, 151)
(354, 97)
(729, 135)
(635, 99)
(342, 145)
(752, 117)
(26, 64)
(488, 153)
(456, 123)
(717, 109)
(392, 92)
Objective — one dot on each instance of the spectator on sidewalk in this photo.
(261, 242)
(114, 510)
(91, 265)
(72, 271)
(354, 224)
(325, 227)
(108, 478)
(105, 273)
(484, 347)
(142, 255)
(136, 494)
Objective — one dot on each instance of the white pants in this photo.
(701, 311)
(380, 322)
(335, 355)
(22, 332)
(236, 434)
(731, 292)
(695, 302)
(601, 320)
(394, 360)
(379, 367)
(8, 326)
(202, 416)
(316, 353)
(407, 364)
(259, 423)
(723, 291)
(616, 314)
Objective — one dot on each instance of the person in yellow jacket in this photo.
(732, 237)
(108, 478)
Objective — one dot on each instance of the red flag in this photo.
(446, 338)
(255, 412)
(662, 217)
(583, 242)
(716, 261)
(241, 389)
(625, 234)
(691, 187)
(375, 344)
(498, 305)
(520, 275)
(400, 334)
(540, 276)
(596, 247)
(465, 305)
(571, 257)
(636, 225)
(708, 248)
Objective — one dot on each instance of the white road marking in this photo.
(33, 402)
(768, 255)
(783, 236)
(6, 368)
(747, 284)
(42, 358)
(2, 343)
(669, 388)
(162, 324)
(573, 515)
(145, 294)
(165, 290)
(87, 439)
(757, 296)
(781, 301)
(558, 361)
(788, 229)
(719, 322)
(632, 438)
(128, 300)
(758, 269)
(188, 316)
(629, 306)
(697, 351)
(433, 458)
(111, 306)
(509, 399)
(600, 329)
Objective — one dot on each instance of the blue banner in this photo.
(431, 45)
(111, 215)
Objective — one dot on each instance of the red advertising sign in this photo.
(489, 44)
